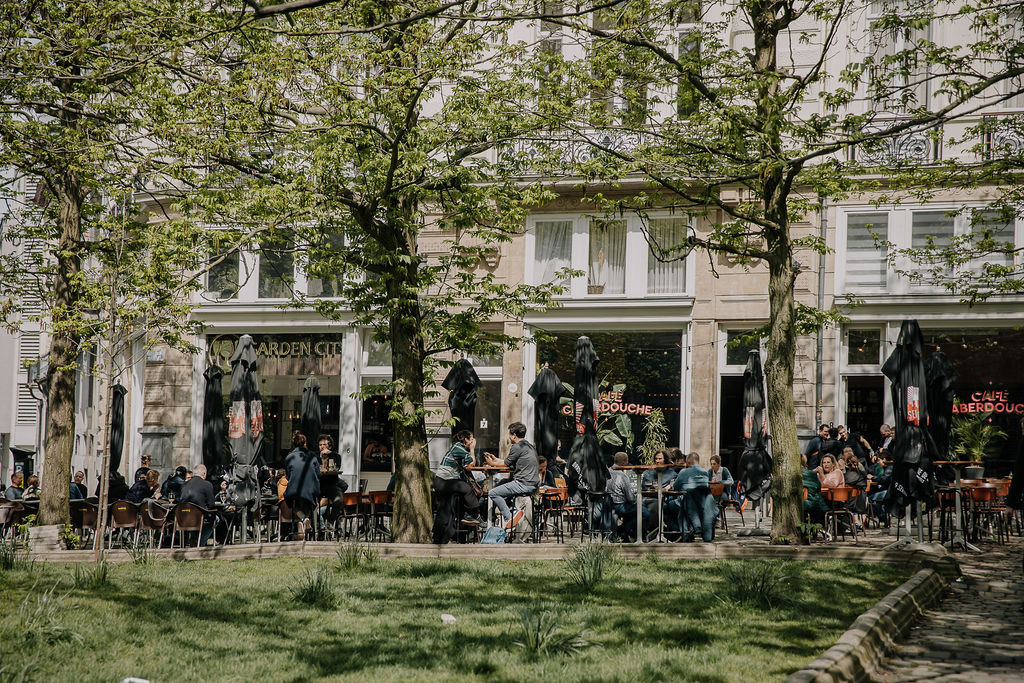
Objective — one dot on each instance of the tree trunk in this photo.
(413, 519)
(63, 357)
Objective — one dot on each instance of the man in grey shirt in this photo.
(525, 475)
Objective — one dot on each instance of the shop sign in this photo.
(284, 349)
(611, 402)
(989, 402)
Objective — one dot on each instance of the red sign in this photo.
(989, 402)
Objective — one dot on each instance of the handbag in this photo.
(494, 534)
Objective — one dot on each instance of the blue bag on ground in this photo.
(494, 534)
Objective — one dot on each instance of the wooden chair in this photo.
(11, 514)
(352, 513)
(837, 499)
(124, 514)
(381, 509)
(550, 521)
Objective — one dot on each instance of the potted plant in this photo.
(975, 438)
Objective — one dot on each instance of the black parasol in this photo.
(546, 391)
(912, 449)
(310, 414)
(245, 423)
(585, 448)
(213, 420)
(755, 463)
(117, 427)
(940, 375)
(462, 384)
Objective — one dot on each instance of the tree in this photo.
(724, 118)
(354, 129)
(78, 82)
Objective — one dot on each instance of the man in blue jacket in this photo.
(699, 507)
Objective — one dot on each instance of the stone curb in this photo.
(875, 633)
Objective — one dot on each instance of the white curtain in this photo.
(552, 250)
(666, 277)
(607, 257)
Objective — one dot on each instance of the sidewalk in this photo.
(978, 632)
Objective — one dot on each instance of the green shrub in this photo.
(541, 633)
(353, 554)
(762, 584)
(316, 588)
(39, 618)
(12, 556)
(69, 538)
(137, 549)
(589, 564)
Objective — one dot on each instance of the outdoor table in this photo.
(489, 470)
(958, 533)
(640, 469)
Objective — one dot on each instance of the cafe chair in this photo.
(838, 513)
(551, 520)
(381, 509)
(154, 518)
(286, 517)
(353, 514)
(188, 517)
(124, 514)
(989, 511)
(11, 514)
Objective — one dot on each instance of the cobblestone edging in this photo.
(875, 633)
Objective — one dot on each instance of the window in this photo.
(550, 47)
(611, 254)
(865, 262)
(901, 81)
(687, 97)
(325, 276)
(553, 249)
(863, 347)
(737, 349)
(607, 265)
(277, 268)
(931, 228)
(665, 275)
(991, 225)
(222, 277)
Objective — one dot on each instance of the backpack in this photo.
(494, 534)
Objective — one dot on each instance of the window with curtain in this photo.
(552, 250)
(666, 276)
(865, 262)
(607, 263)
(931, 227)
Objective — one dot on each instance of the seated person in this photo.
(15, 491)
(881, 480)
(171, 489)
(547, 477)
(655, 478)
(452, 478)
(145, 487)
(855, 477)
(332, 486)
(199, 492)
(282, 484)
(223, 498)
(31, 491)
(622, 489)
(814, 504)
(699, 507)
(78, 491)
(829, 474)
(722, 475)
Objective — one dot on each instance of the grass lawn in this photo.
(649, 620)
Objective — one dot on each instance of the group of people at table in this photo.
(688, 510)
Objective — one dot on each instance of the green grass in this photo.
(238, 621)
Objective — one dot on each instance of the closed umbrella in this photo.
(585, 448)
(546, 391)
(755, 463)
(117, 427)
(213, 420)
(912, 449)
(462, 384)
(245, 423)
(310, 414)
(940, 375)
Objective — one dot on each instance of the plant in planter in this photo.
(655, 436)
(975, 438)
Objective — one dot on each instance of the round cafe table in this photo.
(640, 469)
(958, 532)
(488, 470)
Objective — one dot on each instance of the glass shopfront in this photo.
(991, 379)
(639, 371)
(286, 362)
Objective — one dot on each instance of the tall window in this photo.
(277, 268)
(931, 228)
(607, 265)
(222, 278)
(550, 46)
(666, 235)
(897, 68)
(865, 266)
(995, 226)
(687, 98)
(553, 248)
(325, 277)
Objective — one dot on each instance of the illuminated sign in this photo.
(988, 402)
(611, 402)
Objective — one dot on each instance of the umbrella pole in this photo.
(245, 523)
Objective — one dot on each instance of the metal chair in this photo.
(381, 510)
(124, 514)
(11, 514)
(837, 499)
(188, 517)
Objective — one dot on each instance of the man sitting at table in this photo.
(171, 489)
(146, 487)
(622, 489)
(14, 491)
(522, 460)
(699, 507)
(200, 492)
